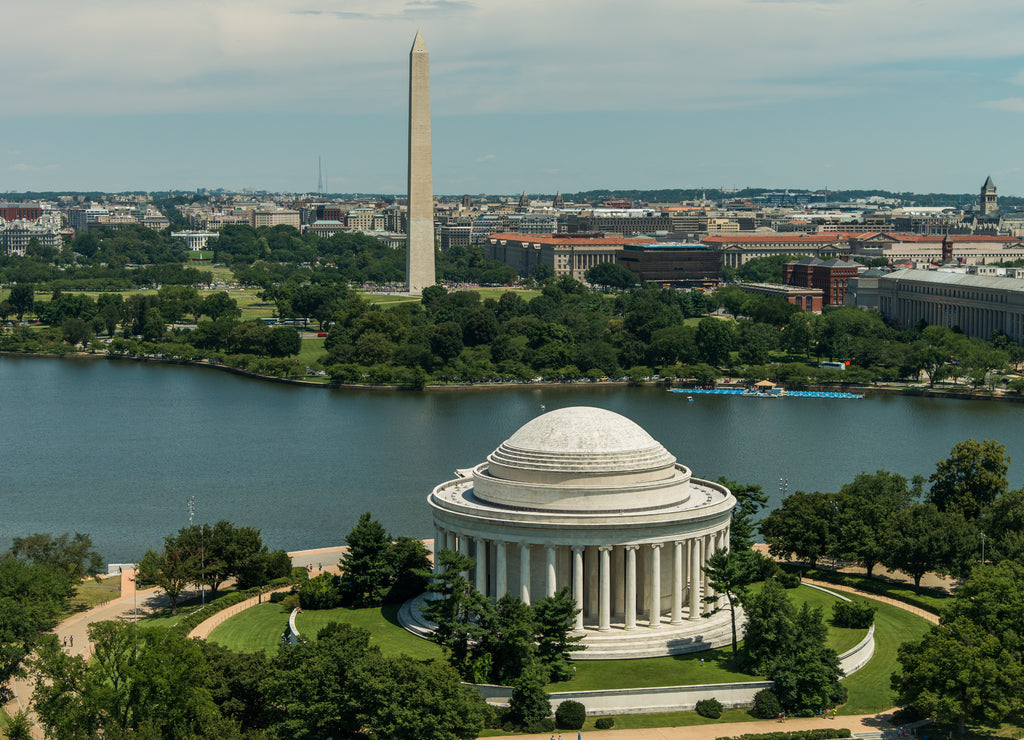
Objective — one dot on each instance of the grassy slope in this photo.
(260, 628)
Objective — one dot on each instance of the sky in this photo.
(532, 95)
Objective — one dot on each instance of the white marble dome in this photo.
(581, 458)
(585, 499)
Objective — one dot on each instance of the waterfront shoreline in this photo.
(461, 387)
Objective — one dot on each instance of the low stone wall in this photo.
(641, 701)
(858, 656)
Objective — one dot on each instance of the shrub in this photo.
(570, 715)
(856, 614)
(604, 723)
(289, 602)
(788, 579)
(766, 705)
(322, 592)
(710, 708)
(542, 725)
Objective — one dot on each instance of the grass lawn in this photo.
(260, 628)
(163, 617)
(869, 687)
(90, 593)
(312, 350)
(685, 670)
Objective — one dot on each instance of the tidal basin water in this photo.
(114, 449)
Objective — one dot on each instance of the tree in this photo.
(728, 574)
(172, 569)
(714, 341)
(73, 555)
(311, 690)
(218, 305)
(366, 569)
(866, 508)
(33, 596)
(804, 526)
(22, 298)
(769, 630)
(225, 551)
(460, 614)
(971, 478)
(407, 559)
(507, 645)
(137, 681)
(922, 539)
(555, 619)
(529, 703)
(969, 667)
(19, 727)
(76, 331)
(405, 699)
(610, 275)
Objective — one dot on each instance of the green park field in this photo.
(260, 627)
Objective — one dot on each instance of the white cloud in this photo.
(124, 56)
(1013, 105)
(22, 167)
(487, 158)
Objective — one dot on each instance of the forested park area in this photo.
(132, 292)
(356, 672)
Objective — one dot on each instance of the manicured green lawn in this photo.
(90, 593)
(685, 670)
(260, 628)
(312, 350)
(163, 617)
(869, 687)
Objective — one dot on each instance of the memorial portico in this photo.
(584, 499)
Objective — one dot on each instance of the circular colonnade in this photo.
(586, 499)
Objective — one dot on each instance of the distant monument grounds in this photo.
(584, 498)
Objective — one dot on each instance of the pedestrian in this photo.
(783, 718)
(71, 640)
(702, 662)
(779, 717)
(65, 640)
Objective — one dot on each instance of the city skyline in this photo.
(815, 94)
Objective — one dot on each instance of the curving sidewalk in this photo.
(202, 630)
(916, 610)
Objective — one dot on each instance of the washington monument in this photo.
(420, 261)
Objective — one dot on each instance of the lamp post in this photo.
(982, 548)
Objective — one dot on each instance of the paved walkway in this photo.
(73, 632)
(923, 613)
(862, 723)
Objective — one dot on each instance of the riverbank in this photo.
(883, 390)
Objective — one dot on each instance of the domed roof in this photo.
(579, 441)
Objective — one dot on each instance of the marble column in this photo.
(464, 551)
(524, 572)
(549, 570)
(481, 565)
(695, 591)
(577, 584)
(630, 605)
(449, 541)
(677, 582)
(500, 570)
(709, 548)
(655, 606)
(438, 545)
(604, 620)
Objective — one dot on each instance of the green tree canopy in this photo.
(971, 478)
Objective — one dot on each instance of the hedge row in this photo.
(822, 734)
(199, 616)
(929, 599)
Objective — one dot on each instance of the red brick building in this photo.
(20, 211)
(828, 276)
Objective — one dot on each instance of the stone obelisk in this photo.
(420, 262)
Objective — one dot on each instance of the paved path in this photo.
(74, 633)
(923, 613)
(862, 723)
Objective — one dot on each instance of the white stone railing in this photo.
(857, 657)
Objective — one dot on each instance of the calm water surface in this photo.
(114, 449)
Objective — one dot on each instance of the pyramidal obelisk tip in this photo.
(417, 43)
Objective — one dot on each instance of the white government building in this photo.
(585, 498)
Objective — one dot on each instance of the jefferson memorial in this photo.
(586, 499)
